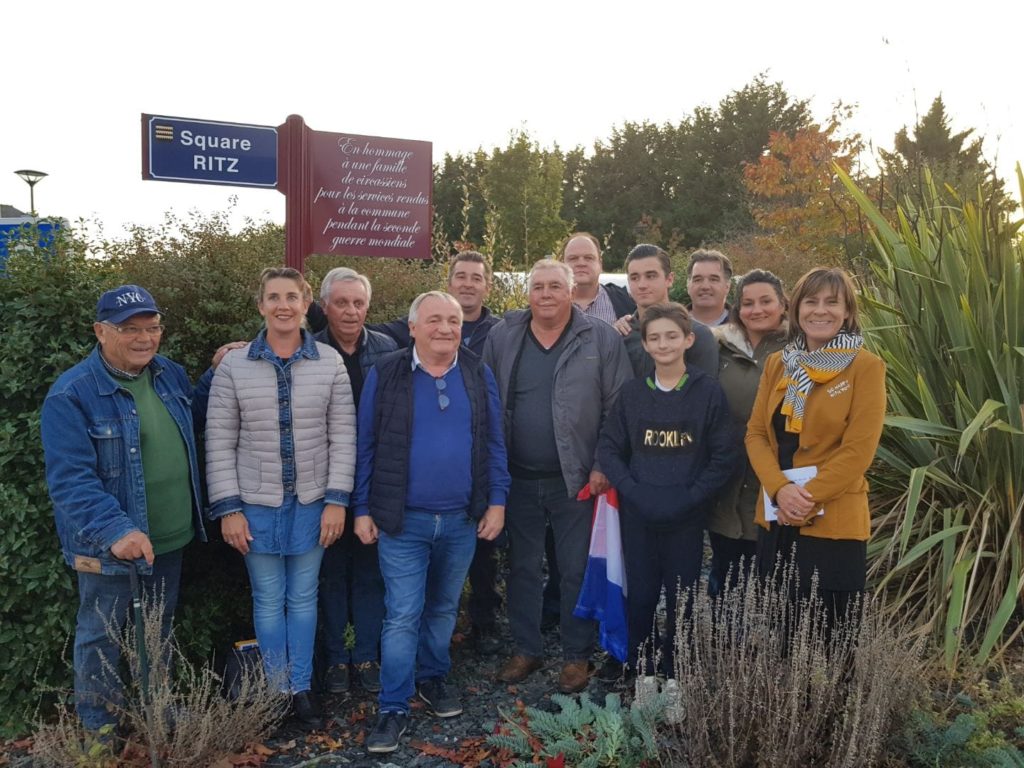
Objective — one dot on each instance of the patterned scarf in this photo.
(804, 369)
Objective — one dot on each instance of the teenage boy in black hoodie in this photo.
(667, 448)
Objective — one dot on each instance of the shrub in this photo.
(928, 741)
(763, 679)
(582, 734)
(47, 306)
(179, 719)
(945, 309)
(203, 276)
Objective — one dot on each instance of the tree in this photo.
(682, 185)
(459, 205)
(798, 199)
(712, 149)
(523, 189)
(626, 180)
(954, 160)
(573, 193)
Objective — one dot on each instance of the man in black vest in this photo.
(432, 478)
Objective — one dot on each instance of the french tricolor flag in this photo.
(603, 595)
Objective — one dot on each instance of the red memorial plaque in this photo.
(369, 196)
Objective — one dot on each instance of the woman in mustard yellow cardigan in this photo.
(818, 412)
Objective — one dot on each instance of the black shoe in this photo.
(610, 671)
(386, 733)
(367, 674)
(337, 679)
(439, 700)
(306, 711)
(550, 621)
(486, 640)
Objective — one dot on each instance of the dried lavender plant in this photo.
(766, 678)
(184, 720)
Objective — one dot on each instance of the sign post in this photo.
(345, 194)
(208, 152)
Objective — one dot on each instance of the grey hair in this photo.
(561, 266)
(344, 275)
(414, 308)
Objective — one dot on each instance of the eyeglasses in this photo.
(134, 332)
(443, 400)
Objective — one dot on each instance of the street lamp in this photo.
(32, 178)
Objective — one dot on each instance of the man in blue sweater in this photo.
(432, 477)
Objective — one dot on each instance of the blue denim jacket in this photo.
(91, 442)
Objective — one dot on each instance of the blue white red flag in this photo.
(603, 595)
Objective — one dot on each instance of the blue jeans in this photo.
(284, 590)
(424, 568)
(106, 600)
(351, 589)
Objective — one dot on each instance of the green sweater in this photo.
(164, 467)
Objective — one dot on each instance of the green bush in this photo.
(205, 278)
(968, 740)
(47, 306)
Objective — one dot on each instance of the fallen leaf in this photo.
(261, 749)
(556, 762)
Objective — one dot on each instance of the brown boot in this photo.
(574, 676)
(518, 668)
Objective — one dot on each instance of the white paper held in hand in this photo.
(798, 475)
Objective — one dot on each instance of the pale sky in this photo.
(460, 74)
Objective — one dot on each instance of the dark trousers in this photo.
(484, 600)
(351, 590)
(730, 559)
(657, 559)
(840, 565)
(531, 505)
(552, 593)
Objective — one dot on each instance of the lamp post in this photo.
(32, 178)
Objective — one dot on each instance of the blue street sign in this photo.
(208, 151)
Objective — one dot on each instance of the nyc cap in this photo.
(119, 304)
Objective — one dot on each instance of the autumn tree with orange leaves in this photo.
(797, 199)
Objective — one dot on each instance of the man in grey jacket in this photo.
(558, 373)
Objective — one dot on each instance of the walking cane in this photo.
(140, 648)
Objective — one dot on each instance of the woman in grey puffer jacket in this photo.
(280, 457)
(756, 328)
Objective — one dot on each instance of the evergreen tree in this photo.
(952, 159)
(523, 189)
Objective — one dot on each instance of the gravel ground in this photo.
(353, 715)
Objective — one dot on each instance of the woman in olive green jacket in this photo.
(756, 328)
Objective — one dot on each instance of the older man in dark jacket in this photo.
(558, 372)
(351, 587)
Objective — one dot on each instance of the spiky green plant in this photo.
(944, 307)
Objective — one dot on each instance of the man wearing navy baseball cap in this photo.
(123, 476)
